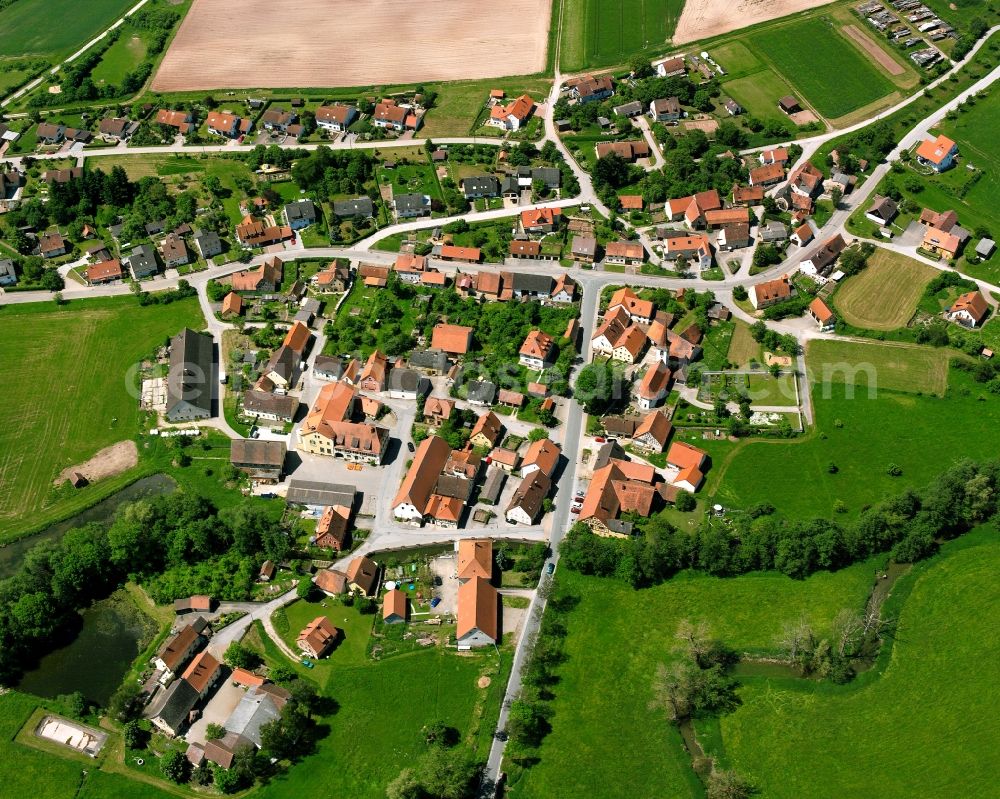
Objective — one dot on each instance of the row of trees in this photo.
(176, 534)
(909, 526)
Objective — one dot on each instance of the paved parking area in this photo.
(444, 567)
(221, 704)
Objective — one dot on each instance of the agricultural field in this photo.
(192, 60)
(885, 295)
(808, 51)
(601, 33)
(73, 395)
(878, 366)
(54, 28)
(923, 727)
(606, 682)
(863, 437)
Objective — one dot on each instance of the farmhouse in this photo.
(734, 237)
(969, 310)
(362, 575)
(175, 651)
(767, 175)
(774, 155)
(770, 293)
(272, 407)
(942, 243)
(747, 195)
(670, 67)
(619, 338)
(821, 260)
(478, 614)
(318, 637)
(437, 485)
(631, 150)
(689, 461)
(332, 528)
(654, 387)
(203, 672)
(666, 109)
(190, 378)
(536, 350)
(630, 253)
(938, 154)
(802, 235)
(542, 455)
(261, 461)
(589, 89)
(468, 255)
(652, 433)
(806, 180)
(616, 488)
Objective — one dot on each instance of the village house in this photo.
(176, 650)
(512, 116)
(653, 388)
(261, 461)
(767, 175)
(264, 279)
(692, 208)
(631, 151)
(478, 614)
(389, 115)
(802, 235)
(437, 484)
(452, 339)
(938, 154)
(52, 245)
(331, 582)
(882, 210)
(540, 220)
(265, 405)
(821, 260)
(481, 392)
(689, 461)
(652, 433)
(207, 243)
(672, 67)
(589, 89)
(806, 180)
(480, 186)
(486, 432)
(255, 233)
(770, 293)
(773, 232)
(116, 128)
(170, 713)
(410, 206)
(945, 244)
(222, 123)
(733, 237)
(969, 310)
(203, 672)
(174, 251)
(332, 530)
(277, 119)
(616, 488)
(563, 290)
(330, 430)
(300, 214)
(629, 253)
(317, 638)
(637, 310)
(181, 120)
(631, 202)
(527, 502)
(747, 195)
(695, 249)
(335, 118)
(376, 370)
(468, 255)
(362, 575)
(619, 338)
(104, 272)
(542, 455)
(774, 155)
(437, 411)
(537, 350)
(666, 109)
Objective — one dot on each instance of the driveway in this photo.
(227, 696)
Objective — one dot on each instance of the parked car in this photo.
(307, 663)
(551, 567)
(435, 602)
(409, 446)
(599, 439)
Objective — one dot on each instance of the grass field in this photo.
(604, 738)
(926, 727)
(742, 347)
(120, 58)
(598, 33)
(885, 295)
(796, 49)
(54, 27)
(862, 436)
(883, 366)
(72, 364)
(735, 57)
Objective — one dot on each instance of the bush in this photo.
(685, 502)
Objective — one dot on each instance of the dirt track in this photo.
(106, 463)
(703, 18)
(876, 53)
(243, 44)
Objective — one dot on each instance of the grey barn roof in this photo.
(360, 206)
(310, 492)
(190, 378)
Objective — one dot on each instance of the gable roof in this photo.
(530, 494)
(478, 609)
(454, 339)
(475, 558)
(418, 484)
(771, 290)
(202, 670)
(363, 572)
(656, 425)
(654, 382)
(544, 454)
(394, 604)
(972, 303)
(821, 310)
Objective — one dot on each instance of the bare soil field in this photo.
(876, 53)
(701, 19)
(347, 43)
(107, 463)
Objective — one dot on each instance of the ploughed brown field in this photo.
(244, 44)
(701, 19)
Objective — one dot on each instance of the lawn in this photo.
(862, 437)
(72, 396)
(796, 49)
(604, 737)
(879, 366)
(26, 771)
(54, 27)
(885, 295)
(758, 93)
(734, 57)
(608, 32)
(411, 178)
(120, 58)
(926, 727)
(765, 389)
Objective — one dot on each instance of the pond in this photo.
(112, 633)
(104, 511)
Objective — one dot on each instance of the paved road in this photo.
(235, 631)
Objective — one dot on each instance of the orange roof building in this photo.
(232, 304)
(317, 637)
(478, 614)
(297, 338)
(637, 309)
(939, 153)
(453, 339)
(542, 455)
(394, 607)
(689, 461)
(202, 672)
(475, 559)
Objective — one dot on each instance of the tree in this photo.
(215, 731)
(537, 434)
(597, 386)
(740, 293)
(685, 502)
(134, 735)
(174, 766)
(240, 657)
(611, 170)
(305, 588)
(437, 733)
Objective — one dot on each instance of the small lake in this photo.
(104, 511)
(112, 633)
